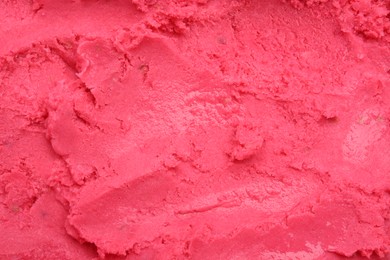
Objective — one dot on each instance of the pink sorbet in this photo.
(195, 129)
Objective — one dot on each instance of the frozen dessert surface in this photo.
(197, 129)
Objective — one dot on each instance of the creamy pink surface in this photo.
(195, 129)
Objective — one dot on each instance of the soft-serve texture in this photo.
(197, 129)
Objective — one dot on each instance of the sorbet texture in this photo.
(198, 129)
